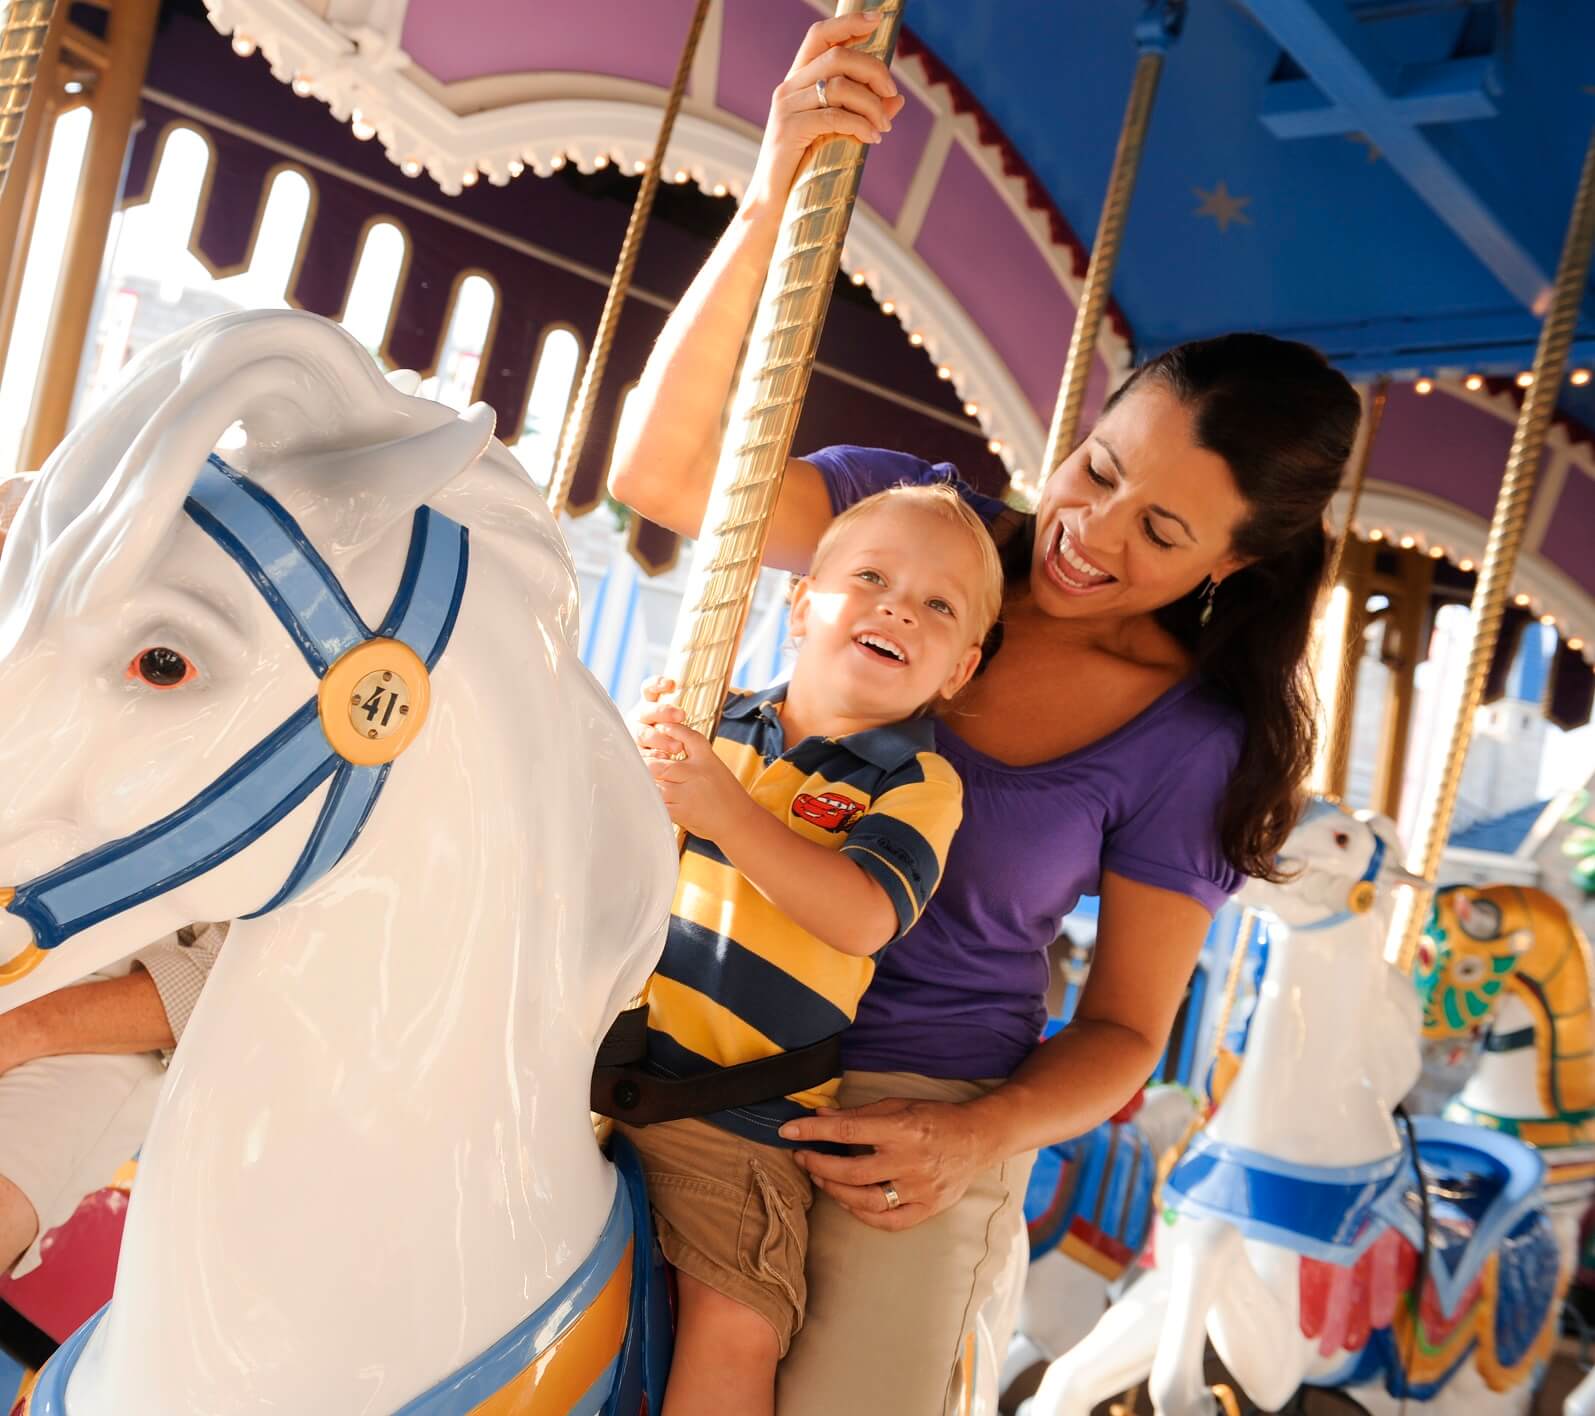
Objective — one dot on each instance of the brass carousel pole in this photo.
(115, 104)
(1340, 630)
(23, 32)
(24, 141)
(765, 407)
(1501, 550)
(1158, 28)
(580, 418)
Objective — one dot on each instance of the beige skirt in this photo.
(889, 1315)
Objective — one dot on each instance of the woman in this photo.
(1142, 735)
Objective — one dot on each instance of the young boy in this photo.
(817, 822)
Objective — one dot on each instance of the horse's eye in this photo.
(161, 668)
(1342, 839)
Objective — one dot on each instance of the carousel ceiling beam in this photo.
(1450, 92)
(1324, 40)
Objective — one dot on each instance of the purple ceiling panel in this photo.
(756, 49)
(468, 39)
(892, 164)
(1567, 542)
(974, 242)
(1442, 446)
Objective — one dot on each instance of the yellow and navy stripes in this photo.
(739, 980)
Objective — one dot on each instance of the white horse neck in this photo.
(1304, 1093)
(1507, 1083)
(374, 1155)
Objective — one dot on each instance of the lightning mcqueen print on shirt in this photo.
(831, 811)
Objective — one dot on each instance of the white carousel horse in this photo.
(372, 1183)
(1293, 1230)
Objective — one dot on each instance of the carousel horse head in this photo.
(190, 651)
(1508, 962)
(1337, 864)
(1472, 945)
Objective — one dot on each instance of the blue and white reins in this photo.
(372, 699)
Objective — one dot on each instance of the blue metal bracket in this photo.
(1322, 39)
(1159, 26)
(1451, 92)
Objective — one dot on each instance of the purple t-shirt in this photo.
(962, 993)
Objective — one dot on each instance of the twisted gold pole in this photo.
(1161, 25)
(1501, 550)
(766, 405)
(1361, 456)
(580, 417)
(1337, 636)
(23, 30)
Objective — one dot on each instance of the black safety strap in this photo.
(625, 1089)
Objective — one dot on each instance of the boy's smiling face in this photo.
(887, 619)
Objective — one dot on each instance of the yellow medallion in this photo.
(1360, 901)
(373, 701)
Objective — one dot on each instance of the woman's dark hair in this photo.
(1284, 422)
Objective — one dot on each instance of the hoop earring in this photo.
(1208, 596)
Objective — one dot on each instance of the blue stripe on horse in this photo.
(287, 570)
(245, 802)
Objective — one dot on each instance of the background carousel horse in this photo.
(1294, 1233)
(1508, 962)
(372, 1182)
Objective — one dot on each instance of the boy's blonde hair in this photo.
(943, 500)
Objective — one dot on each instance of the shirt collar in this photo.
(888, 747)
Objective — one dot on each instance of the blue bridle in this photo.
(1369, 875)
(285, 767)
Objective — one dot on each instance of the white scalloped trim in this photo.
(616, 124)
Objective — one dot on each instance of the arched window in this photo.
(548, 403)
(469, 329)
(276, 252)
(369, 309)
(43, 270)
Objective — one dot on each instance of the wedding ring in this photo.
(819, 88)
(890, 1191)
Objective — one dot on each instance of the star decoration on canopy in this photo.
(1225, 208)
(1374, 154)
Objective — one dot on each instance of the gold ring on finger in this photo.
(893, 1199)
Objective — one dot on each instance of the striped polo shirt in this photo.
(739, 980)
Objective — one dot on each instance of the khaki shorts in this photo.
(889, 1314)
(732, 1213)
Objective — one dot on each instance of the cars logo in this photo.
(830, 811)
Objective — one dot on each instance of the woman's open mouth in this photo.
(881, 649)
(1069, 568)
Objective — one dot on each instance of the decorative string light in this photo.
(1576, 645)
(639, 167)
(857, 277)
(556, 162)
(1580, 377)
(469, 177)
(681, 176)
(1376, 534)
(1408, 542)
(995, 446)
(1525, 379)
(888, 308)
(243, 45)
(720, 189)
(1423, 386)
(943, 372)
(302, 85)
(1522, 601)
(1549, 621)
(601, 161)
(362, 130)
(516, 167)
(1465, 565)
(916, 339)
(1436, 552)
(1474, 382)
(971, 410)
